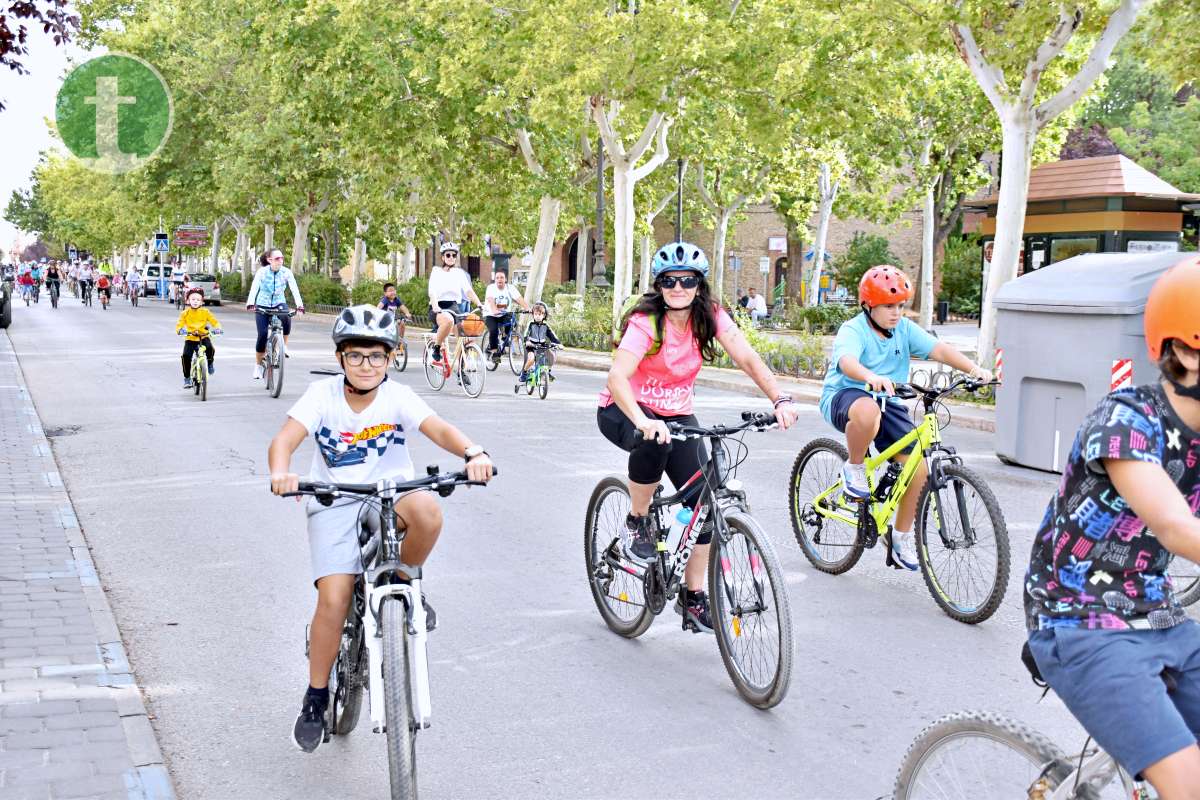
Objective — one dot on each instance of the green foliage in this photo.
(231, 286)
(1166, 142)
(962, 271)
(821, 320)
(367, 292)
(321, 290)
(865, 251)
(415, 295)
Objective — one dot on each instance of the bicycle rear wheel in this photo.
(434, 374)
(471, 370)
(277, 357)
(1185, 577)
(967, 578)
(981, 754)
(617, 589)
(397, 701)
(751, 615)
(830, 545)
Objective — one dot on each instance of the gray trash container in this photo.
(1061, 328)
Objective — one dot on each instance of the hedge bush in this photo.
(821, 320)
(866, 250)
(321, 290)
(962, 271)
(367, 292)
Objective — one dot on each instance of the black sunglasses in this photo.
(686, 281)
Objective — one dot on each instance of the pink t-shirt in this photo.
(665, 381)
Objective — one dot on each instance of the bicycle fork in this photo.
(418, 666)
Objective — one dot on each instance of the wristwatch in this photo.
(474, 450)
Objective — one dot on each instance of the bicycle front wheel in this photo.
(980, 754)
(516, 353)
(616, 587)
(400, 359)
(962, 545)
(277, 356)
(751, 614)
(434, 375)
(1185, 577)
(831, 545)
(543, 383)
(397, 701)
(471, 370)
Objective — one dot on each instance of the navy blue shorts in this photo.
(894, 425)
(1110, 680)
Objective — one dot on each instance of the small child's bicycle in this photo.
(198, 371)
(539, 376)
(962, 539)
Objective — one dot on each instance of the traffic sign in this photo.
(73, 253)
(162, 243)
(191, 236)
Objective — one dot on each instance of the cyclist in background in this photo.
(104, 289)
(86, 277)
(133, 282)
(449, 285)
(178, 279)
(873, 349)
(267, 295)
(392, 302)
(195, 322)
(1104, 623)
(362, 425)
(665, 338)
(539, 334)
(25, 281)
(53, 278)
(497, 308)
(36, 273)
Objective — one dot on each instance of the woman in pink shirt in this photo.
(664, 341)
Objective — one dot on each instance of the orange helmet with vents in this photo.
(883, 285)
(1171, 309)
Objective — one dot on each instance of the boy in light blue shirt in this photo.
(873, 351)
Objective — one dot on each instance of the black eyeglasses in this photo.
(686, 281)
(355, 359)
(449, 255)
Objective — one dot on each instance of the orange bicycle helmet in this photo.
(884, 284)
(1171, 308)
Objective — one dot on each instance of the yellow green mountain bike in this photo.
(962, 540)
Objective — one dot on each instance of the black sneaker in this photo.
(642, 546)
(309, 731)
(693, 607)
(437, 353)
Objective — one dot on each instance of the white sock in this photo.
(858, 473)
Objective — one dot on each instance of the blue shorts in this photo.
(894, 425)
(1110, 681)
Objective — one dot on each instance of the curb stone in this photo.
(54, 700)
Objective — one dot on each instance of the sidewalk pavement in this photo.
(72, 720)
(980, 418)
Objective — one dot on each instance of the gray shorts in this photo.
(333, 535)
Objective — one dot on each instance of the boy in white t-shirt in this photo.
(360, 423)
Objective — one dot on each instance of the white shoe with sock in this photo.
(854, 479)
(904, 549)
(258, 372)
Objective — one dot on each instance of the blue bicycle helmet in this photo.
(680, 256)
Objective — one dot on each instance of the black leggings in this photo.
(493, 325)
(649, 460)
(263, 321)
(189, 350)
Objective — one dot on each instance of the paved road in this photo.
(534, 698)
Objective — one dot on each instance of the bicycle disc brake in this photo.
(656, 598)
(868, 531)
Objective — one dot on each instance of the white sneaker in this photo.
(258, 372)
(904, 549)
(854, 480)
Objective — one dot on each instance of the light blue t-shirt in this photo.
(885, 357)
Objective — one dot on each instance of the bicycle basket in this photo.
(472, 325)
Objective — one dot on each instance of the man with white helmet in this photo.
(360, 422)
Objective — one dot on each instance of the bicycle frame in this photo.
(377, 585)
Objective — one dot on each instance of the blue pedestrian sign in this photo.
(162, 243)
(73, 254)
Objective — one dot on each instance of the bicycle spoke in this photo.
(624, 592)
(967, 765)
(966, 573)
(751, 615)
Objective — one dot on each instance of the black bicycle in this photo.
(509, 342)
(86, 286)
(384, 651)
(747, 595)
(53, 288)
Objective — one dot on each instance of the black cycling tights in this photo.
(649, 460)
(263, 321)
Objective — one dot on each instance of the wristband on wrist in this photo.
(783, 398)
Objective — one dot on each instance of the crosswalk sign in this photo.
(162, 243)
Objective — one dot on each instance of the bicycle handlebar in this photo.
(751, 420)
(438, 481)
(909, 391)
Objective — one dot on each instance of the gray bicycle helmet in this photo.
(368, 324)
(678, 256)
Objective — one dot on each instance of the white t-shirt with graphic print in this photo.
(360, 447)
